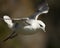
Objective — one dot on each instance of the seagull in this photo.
(31, 23)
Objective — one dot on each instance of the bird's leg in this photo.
(11, 36)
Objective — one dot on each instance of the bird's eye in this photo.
(40, 25)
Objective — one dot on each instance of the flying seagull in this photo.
(30, 23)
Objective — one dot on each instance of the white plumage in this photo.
(35, 24)
(8, 20)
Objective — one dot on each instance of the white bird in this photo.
(30, 23)
(33, 20)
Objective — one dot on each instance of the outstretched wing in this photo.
(19, 19)
(43, 8)
(8, 20)
(13, 24)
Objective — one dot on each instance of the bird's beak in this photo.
(44, 30)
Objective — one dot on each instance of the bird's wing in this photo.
(19, 19)
(8, 20)
(43, 8)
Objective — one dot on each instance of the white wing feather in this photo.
(8, 20)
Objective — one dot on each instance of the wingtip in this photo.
(8, 20)
(5, 16)
(44, 7)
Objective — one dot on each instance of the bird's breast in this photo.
(33, 24)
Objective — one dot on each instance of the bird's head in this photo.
(35, 24)
(42, 25)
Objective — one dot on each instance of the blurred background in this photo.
(24, 8)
